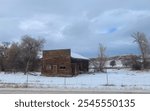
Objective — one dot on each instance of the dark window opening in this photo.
(62, 67)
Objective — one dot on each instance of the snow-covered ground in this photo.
(118, 79)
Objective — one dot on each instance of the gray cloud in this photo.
(77, 24)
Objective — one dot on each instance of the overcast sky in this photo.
(77, 24)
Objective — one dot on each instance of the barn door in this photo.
(75, 68)
(55, 69)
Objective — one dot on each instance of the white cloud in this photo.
(45, 25)
(32, 25)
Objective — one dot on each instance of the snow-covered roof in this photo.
(78, 56)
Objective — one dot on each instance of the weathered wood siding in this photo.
(57, 63)
(79, 65)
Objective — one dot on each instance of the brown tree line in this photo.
(21, 56)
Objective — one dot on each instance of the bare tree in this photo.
(3, 54)
(141, 40)
(102, 57)
(13, 59)
(29, 50)
(135, 64)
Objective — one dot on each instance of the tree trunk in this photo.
(27, 65)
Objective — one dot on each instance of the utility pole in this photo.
(107, 78)
(65, 82)
(27, 80)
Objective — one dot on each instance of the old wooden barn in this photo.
(63, 62)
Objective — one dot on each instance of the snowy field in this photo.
(117, 79)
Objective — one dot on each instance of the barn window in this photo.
(48, 67)
(62, 67)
